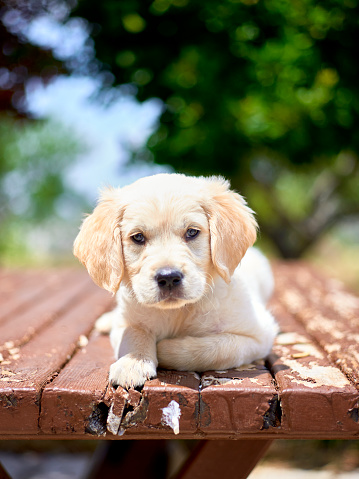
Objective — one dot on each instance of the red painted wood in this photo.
(238, 401)
(25, 374)
(214, 459)
(52, 386)
(3, 473)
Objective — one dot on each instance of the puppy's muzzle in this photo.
(168, 279)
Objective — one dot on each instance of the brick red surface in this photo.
(54, 368)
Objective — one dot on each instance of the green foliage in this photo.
(262, 91)
(33, 160)
(235, 75)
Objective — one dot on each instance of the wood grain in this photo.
(54, 368)
(36, 363)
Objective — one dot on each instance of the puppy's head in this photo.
(165, 237)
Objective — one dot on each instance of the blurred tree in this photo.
(33, 154)
(20, 61)
(262, 91)
(33, 158)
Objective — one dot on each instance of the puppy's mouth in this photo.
(171, 298)
(170, 288)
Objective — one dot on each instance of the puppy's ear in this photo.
(98, 244)
(233, 228)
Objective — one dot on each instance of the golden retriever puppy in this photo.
(189, 294)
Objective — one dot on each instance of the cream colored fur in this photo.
(216, 318)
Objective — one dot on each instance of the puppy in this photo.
(189, 294)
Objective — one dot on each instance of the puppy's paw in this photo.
(104, 323)
(131, 372)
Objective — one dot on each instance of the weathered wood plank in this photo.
(75, 402)
(238, 401)
(17, 291)
(315, 396)
(213, 459)
(168, 405)
(79, 400)
(72, 402)
(328, 312)
(303, 393)
(21, 326)
(23, 378)
(12, 284)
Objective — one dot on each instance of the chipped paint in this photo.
(323, 324)
(13, 351)
(137, 415)
(260, 383)
(113, 421)
(293, 301)
(342, 302)
(287, 339)
(171, 415)
(331, 348)
(5, 372)
(307, 349)
(314, 376)
(83, 341)
(214, 381)
(246, 367)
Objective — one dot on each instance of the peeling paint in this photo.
(171, 415)
(287, 339)
(314, 376)
(308, 350)
(342, 302)
(332, 348)
(259, 382)
(213, 381)
(247, 367)
(83, 341)
(293, 300)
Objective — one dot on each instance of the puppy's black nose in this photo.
(168, 278)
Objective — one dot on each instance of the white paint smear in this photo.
(171, 415)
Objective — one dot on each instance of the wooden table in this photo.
(54, 373)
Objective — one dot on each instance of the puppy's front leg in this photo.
(136, 350)
(220, 351)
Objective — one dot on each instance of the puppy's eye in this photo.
(138, 238)
(191, 233)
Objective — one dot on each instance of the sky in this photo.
(107, 131)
